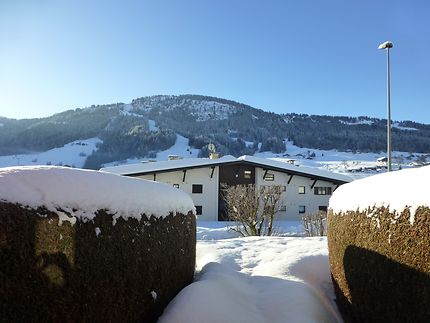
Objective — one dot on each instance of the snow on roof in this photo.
(154, 167)
(396, 190)
(296, 169)
(82, 192)
(149, 167)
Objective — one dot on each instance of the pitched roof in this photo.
(168, 165)
(294, 169)
(189, 163)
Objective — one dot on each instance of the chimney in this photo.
(213, 155)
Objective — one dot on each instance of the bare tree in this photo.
(314, 224)
(252, 208)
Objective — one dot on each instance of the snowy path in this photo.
(258, 279)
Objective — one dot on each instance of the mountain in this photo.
(150, 124)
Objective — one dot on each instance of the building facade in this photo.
(305, 190)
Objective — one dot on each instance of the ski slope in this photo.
(72, 154)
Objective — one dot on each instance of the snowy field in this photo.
(72, 154)
(256, 279)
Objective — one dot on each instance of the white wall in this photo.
(208, 199)
(291, 198)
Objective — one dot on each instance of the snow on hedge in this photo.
(81, 193)
(395, 190)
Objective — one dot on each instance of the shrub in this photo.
(91, 271)
(314, 224)
(252, 208)
(380, 264)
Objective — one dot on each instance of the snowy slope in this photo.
(72, 154)
(181, 148)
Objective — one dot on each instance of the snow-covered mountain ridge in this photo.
(148, 126)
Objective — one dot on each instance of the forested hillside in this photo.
(234, 128)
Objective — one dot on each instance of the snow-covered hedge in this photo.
(379, 247)
(89, 246)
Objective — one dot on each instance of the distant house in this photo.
(306, 190)
(382, 160)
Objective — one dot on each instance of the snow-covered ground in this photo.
(72, 154)
(152, 126)
(256, 280)
(396, 125)
(216, 230)
(180, 148)
(358, 121)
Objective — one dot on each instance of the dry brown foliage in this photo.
(253, 208)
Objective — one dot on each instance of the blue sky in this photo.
(315, 57)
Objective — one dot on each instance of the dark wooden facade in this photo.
(232, 174)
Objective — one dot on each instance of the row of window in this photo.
(283, 187)
(318, 190)
(196, 188)
(302, 209)
(322, 190)
(269, 177)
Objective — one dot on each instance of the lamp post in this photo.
(387, 45)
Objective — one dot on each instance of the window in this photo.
(283, 188)
(302, 209)
(247, 174)
(302, 190)
(176, 185)
(322, 190)
(269, 177)
(322, 208)
(283, 208)
(197, 188)
(199, 210)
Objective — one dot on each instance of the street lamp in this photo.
(387, 45)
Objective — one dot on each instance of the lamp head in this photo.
(386, 45)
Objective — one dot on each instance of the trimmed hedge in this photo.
(127, 272)
(380, 265)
